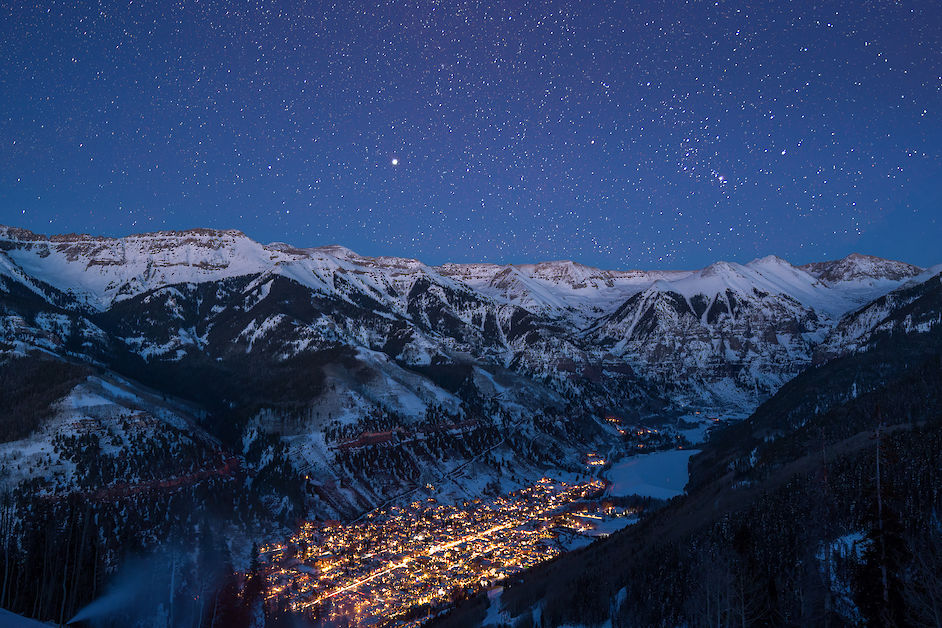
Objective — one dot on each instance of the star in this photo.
(511, 140)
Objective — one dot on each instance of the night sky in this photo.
(619, 134)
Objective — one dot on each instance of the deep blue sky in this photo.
(619, 134)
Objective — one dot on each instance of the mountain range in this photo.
(171, 384)
(312, 347)
(728, 332)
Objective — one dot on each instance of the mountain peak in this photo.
(769, 260)
(20, 235)
(860, 267)
(572, 273)
(720, 268)
(337, 250)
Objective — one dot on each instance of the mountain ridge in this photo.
(543, 267)
(728, 333)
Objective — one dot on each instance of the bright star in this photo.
(395, 161)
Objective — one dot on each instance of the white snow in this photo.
(495, 616)
(104, 270)
(662, 474)
(561, 289)
(95, 405)
(851, 544)
(10, 620)
(610, 526)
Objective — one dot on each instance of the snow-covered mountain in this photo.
(914, 307)
(562, 289)
(307, 342)
(100, 271)
(862, 268)
(728, 332)
(731, 328)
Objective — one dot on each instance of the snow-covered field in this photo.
(11, 620)
(662, 474)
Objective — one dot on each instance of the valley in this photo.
(397, 437)
(400, 565)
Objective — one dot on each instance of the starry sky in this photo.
(634, 134)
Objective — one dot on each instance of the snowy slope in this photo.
(914, 307)
(862, 268)
(103, 270)
(114, 414)
(726, 333)
(560, 289)
(100, 270)
(732, 333)
(565, 289)
(860, 279)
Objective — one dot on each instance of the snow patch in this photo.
(662, 474)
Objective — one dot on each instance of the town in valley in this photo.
(399, 565)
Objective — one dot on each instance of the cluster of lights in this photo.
(638, 431)
(396, 566)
